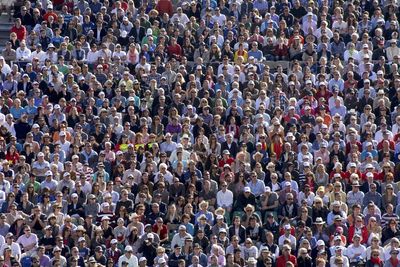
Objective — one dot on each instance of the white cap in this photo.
(150, 236)
(128, 248)
(74, 195)
(320, 243)
(247, 189)
(48, 173)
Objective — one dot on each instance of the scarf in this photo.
(394, 262)
(377, 261)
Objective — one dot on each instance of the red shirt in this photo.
(364, 234)
(21, 32)
(163, 231)
(164, 6)
(222, 162)
(174, 51)
(281, 261)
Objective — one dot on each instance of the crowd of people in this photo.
(200, 133)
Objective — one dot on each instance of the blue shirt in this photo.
(17, 112)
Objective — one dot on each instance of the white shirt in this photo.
(292, 239)
(352, 250)
(224, 198)
(15, 249)
(92, 57)
(40, 55)
(220, 19)
(132, 261)
(27, 241)
(24, 55)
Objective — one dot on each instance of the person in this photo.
(286, 257)
(128, 257)
(171, 123)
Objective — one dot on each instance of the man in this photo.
(286, 257)
(225, 197)
(179, 238)
(128, 257)
(287, 236)
(289, 208)
(355, 196)
(355, 252)
(28, 242)
(245, 198)
(176, 256)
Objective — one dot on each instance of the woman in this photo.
(375, 259)
(200, 148)
(133, 239)
(28, 153)
(32, 195)
(12, 155)
(6, 206)
(389, 197)
(17, 227)
(172, 217)
(321, 176)
(374, 246)
(67, 237)
(358, 227)
(374, 230)
(390, 230)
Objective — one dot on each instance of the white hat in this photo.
(66, 174)
(252, 260)
(62, 133)
(288, 227)
(150, 236)
(114, 241)
(220, 217)
(320, 243)
(337, 238)
(369, 166)
(128, 248)
(74, 195)
(142, 259)
(49, 173)
(105, 218)
(247, 189)
(161, 261)
(287, 183)
(81, 239)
